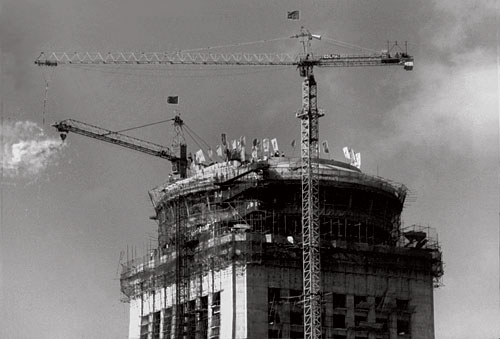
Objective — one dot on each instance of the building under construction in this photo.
(274, 247)
(229, 257)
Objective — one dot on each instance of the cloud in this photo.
(26, 151)
(452, 108)
(463, 24)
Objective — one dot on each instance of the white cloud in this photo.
(26, 151)
(452, 108)
(459, 19)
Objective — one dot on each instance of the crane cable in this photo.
(335, 42)
(137, 127)
(46, 79)
(233, 45)
(191, 133)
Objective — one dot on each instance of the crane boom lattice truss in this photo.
(309, 116)
(235, 59)
(179, 162)
(123, 140)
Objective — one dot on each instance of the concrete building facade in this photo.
(229, 257)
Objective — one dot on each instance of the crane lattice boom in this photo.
(178, 162)
(309, 116)
(236, 59)
(99, 133)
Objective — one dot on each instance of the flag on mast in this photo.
(293, 15)
(174, 100)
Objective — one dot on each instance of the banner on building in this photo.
(265, 146)
(347, 153)
(274, 142)
(357, 162)
(199, 157)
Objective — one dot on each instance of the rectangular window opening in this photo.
(339, 300)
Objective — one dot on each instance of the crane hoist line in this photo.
(309, 116)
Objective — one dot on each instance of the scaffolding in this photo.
(234, 214)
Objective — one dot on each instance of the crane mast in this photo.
(309, 116)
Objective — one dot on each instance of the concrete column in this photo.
(349, 316)
(134, 329)
(372, 317)
(328, 313)
(285, 314)
(257, 282)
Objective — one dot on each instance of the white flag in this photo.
(254, 153)
(347, 154)
(210, 154)
(358, 160)
(200, 157)
(352, 156)
(265, 145)
(234, 144)
(219, 150)
(242, 153)
(274, 142)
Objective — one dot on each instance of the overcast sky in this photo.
(68, 210)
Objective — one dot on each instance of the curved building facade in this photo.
(229, 257)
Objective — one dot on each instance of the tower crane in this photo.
(179, 162)
(309, 116)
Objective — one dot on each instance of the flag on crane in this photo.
(173, 100)
(293, 15)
